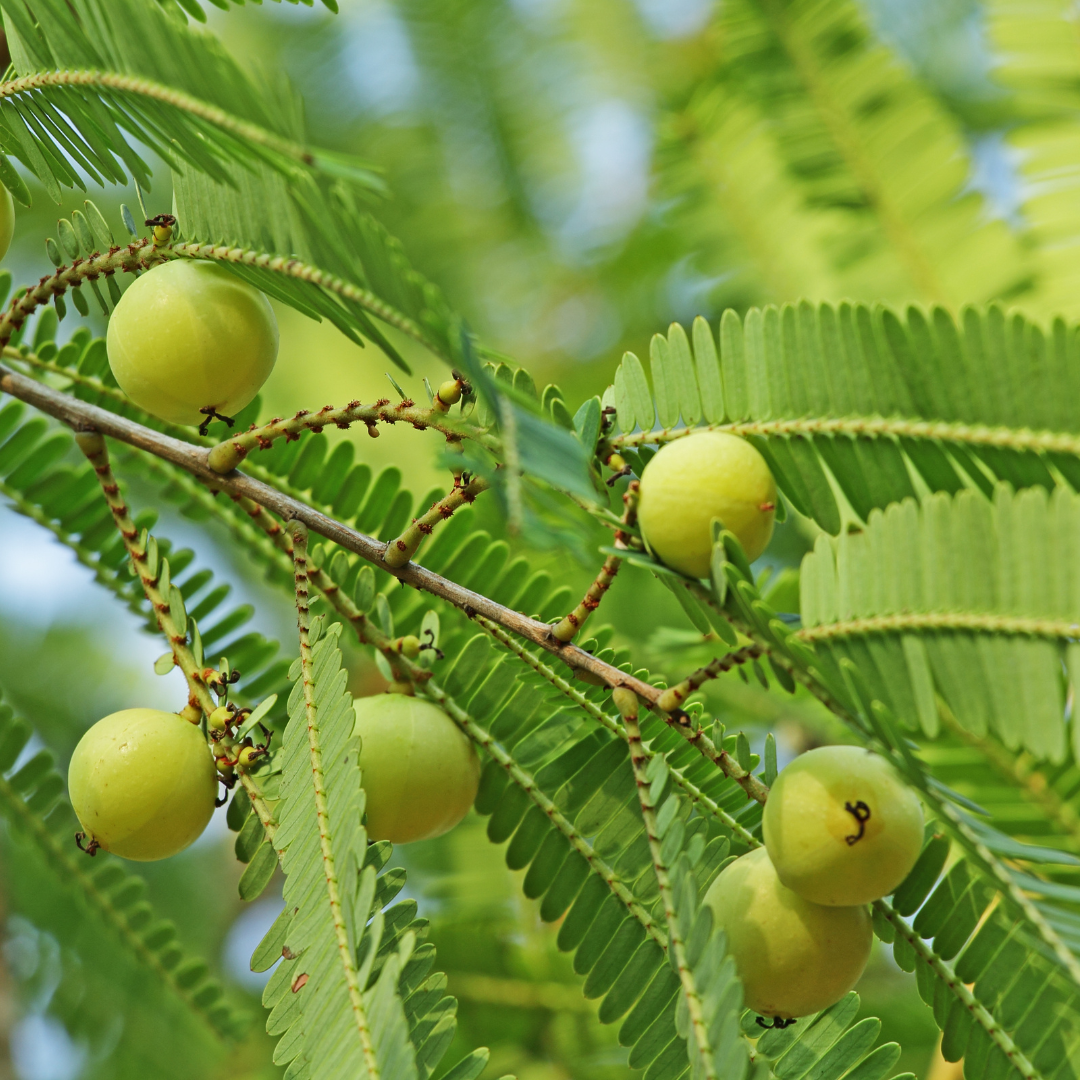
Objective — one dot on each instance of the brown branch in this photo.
(83, 416)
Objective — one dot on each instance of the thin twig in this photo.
(200, 699)
(567, 629)
(230, 452)
(400, 550)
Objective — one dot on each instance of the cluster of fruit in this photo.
(143, 782)
(841, 830)
(188, 342)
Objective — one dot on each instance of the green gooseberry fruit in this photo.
(420, 772)
(841, 826)
(142, 783)
(220, 718)
(7, 220)
(188, 335)
(450, 392)
(692, 480)
(793, 957)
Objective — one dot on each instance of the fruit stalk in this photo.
(567, 629)
(627, 703)
(303, 620)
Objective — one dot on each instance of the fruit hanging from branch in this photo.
(841, 827)
(793, 957)
(694, 479)
(142, 783)
(189, 341)
(420, 772)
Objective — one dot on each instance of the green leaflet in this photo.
(329, 1029)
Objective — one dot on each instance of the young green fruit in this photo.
(793, 957)
(692, 480)
(7, 220)
(142, 783)
(420, 772)
(841, 827)
(189, 335)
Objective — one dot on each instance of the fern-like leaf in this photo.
(94, 75)
(864, 397)
(862, 135)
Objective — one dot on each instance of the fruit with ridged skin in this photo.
(142, 783)
(841, 826)
(420, 772)
(190, 334)
(793, 957)
(692, 480)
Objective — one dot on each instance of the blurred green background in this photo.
(546, 170)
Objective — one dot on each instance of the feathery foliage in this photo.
(938, 612)
(875, 402)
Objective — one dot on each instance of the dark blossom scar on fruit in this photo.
(91, 848)
(778, 1022)
(861, 813)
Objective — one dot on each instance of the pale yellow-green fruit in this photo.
(692, 480)
(7, 220)
(419, 771)
(190, 334)
(142, 783)
(793, 957)
(814, 838)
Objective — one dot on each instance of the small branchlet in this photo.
(569, 625)
(679, 951)
(672, 698)
(367, 630)
(227, 455)
(93, 446)
(567, 628)
(402, 549)
(201, 700)
(139, 255)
